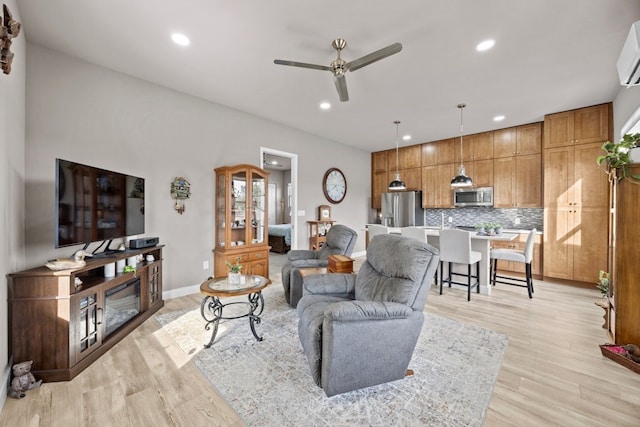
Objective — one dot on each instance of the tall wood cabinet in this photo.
(624, 289)
(518, 167)
(65, 320)
(242, 233)
(575, 195)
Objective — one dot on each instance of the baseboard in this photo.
(180, 292)
(6, 380)
(358, 254)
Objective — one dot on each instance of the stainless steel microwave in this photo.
(479, 196)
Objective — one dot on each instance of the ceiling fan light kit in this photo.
(339, 66)
(461, 180)
(397, 184)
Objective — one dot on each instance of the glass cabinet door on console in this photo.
(241, 220)
(88, 305)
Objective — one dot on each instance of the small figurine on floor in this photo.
(633, 352)
(23, 379)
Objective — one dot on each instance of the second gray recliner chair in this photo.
(340, 241)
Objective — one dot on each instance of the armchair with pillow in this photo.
(340, 241)
(360, 330)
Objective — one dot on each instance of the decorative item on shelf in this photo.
(180, 190)
(68, 263)
(397, 184)
(461, 180)
(129, 269)
(8, 31)
(235, 275)
(324, 212)
(619, 156)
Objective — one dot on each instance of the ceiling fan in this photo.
(339, 66)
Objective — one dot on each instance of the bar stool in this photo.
(374, 230)
(455, 247)
(514, 255)
(419, 234)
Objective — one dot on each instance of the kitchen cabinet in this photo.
(575, 209)
(477, 146)
(624, 234)
(518, 141)
(436, 186)
(517, 181)
(518, 244)
(480, 171)
(438, 152)
(379, 161)
(581, 126)
(241, 220)
(408, 158)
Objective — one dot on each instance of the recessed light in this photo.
(406, 137)
(180, 39)
(485, 45)
(498, 118)
(325, 105)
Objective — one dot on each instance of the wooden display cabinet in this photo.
(242, 233)
(65, 320)
(318, 233)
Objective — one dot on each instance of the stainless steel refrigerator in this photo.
(402, 209)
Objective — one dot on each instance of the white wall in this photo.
(85, 113)
(12, 176)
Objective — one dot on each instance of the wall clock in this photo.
(334, 185)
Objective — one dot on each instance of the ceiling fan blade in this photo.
(302, 65)
(373, 57)
(341, 85)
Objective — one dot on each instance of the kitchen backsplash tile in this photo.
(529, 218)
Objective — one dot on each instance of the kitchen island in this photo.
(479, 243)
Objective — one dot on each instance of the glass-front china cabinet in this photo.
(241, 232)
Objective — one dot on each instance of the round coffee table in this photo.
(211, 306)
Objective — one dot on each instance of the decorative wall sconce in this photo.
(180, 190)
(8, 30)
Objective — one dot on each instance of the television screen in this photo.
(94, 204)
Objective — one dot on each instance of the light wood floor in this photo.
(552, 375)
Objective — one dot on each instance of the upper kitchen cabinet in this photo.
(518, 167)
(436, 186)
(408, 157)
(581, 126)
(478, 146)
(438, 152)
(379, 161)
(518, 141)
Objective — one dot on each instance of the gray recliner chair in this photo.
(340, 241)
(360, 330)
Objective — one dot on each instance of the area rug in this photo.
(268, 383)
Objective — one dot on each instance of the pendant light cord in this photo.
(397, 122)
(461, 107)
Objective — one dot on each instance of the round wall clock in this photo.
(334, 185)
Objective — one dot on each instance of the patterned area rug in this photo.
(268, 383)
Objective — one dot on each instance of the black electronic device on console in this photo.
(144, 242)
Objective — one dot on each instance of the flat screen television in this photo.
(94, 204)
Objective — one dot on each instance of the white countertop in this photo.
(396, 230)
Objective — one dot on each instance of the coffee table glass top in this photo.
(252, 283)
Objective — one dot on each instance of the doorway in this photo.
(283, 167)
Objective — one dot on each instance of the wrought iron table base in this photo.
(211, 311)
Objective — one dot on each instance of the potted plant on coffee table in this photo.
(235, 274)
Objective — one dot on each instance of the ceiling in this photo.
(549, 56)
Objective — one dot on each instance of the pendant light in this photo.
(397, 184)
(461, 180)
